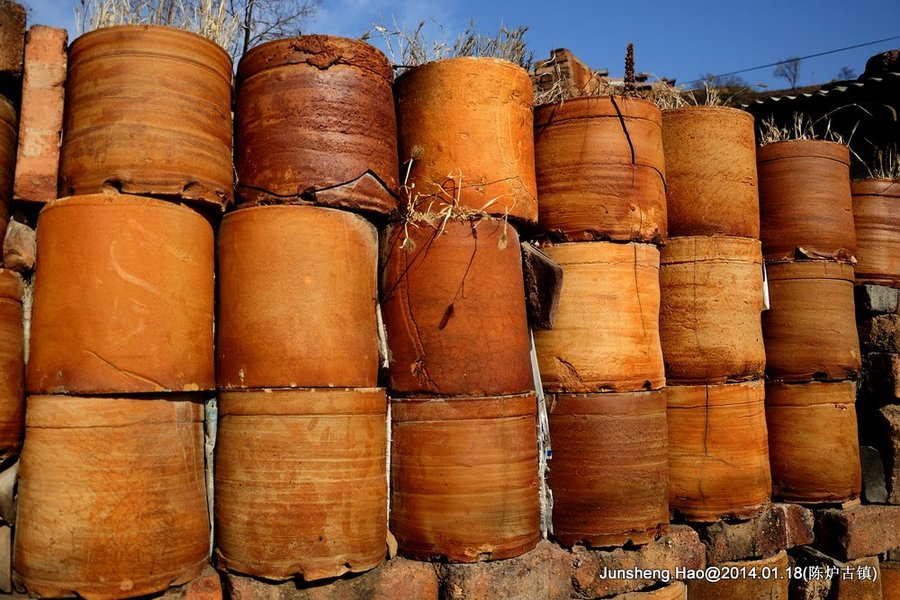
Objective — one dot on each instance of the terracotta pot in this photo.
(711, 297)
(600, 169)
(606, 333)
(804, 200)
(876, 214)
(711, 186)
(806, 422)
(453, 301)
(672, 591)
(303, 279)
(9, 127)
(766, 578)
(603, 438)
(12, 365)
(314, 122)
(301, 487)
(890, 580)
(468, 123)
(464, 484)
(148, 111)
(105, 480)
(810, 329)
(718, 450)
(123, 298)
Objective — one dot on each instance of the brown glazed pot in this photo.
(604, 438)
(12, 365)
(148, 111)
(314, 122)
(112, 499)
(297, 295)
(464, 484)
(468, 123)
(804, 200)
(123, 298)
(606, 333)
(876, 215)
(810, 329)
(453, 301)
(737, 581)
(301, 487)
(600, 169)
(711, 186)
(718, 450)
(808, 422)
(711, 297)
(9, 127)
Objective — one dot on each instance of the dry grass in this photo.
(801, 127)
(885, 164)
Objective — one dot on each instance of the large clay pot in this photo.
(890, 580)
(464, 484)
(112, 499)
(806, 422)
(148, 111)
(12, 365)
(453, 299)
(711, 186)
(760, 579)
(9, 127)
(876, 215)
(600, 169)
(303, 280)
(603, 438)
(301, 487)
(810, 329)
(711, 297)
(123, 298)
(804, 200)
(606, 333)
(467, 123)
(718, 450)
(314, 122)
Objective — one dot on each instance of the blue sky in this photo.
(682, 39)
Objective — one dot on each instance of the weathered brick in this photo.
(881, 377)
(781, 526)
(681, 547)
(12, 38)
(19, 247)
(41, 114)
(770, 588)
(874, 488)
(8, 479)
(208, 586)
(816, 576)
(880, 334)
(542, 573)
(863, 531)
(6, 585)
(673, 591)
(886, 432)
(878, 299)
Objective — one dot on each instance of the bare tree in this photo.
(846, 74)
(789, 69)
(262, 20)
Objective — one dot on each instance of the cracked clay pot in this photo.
(876, 215)
(315, 123)
(148, 111)
(12, 365)
(123, 298)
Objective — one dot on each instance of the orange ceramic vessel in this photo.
(9, 127)
(12, 365)
(876, 215)
(297, 295)
(747, 582)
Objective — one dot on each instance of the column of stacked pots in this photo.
(112, 498)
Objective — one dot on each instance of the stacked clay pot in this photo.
(711, 284)
(876, 216)
(601, 180)
(301, 487)
(812, 346)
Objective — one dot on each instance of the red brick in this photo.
(863, 531)
(880, 334)
(19, 247)
(780, 527)
(206, 587)
(41, 114)
(810, 577)
(674, 591)
(770, 588)
(12, 38)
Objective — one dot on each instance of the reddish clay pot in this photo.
(600, 169)
(606, 333)
(711, 296)
(675, 590)
(468, 124)
(890, 580)
(804, 200)
(123, 298)
(12, 365)
(765, 578)
(603, 438)
(303, 279)
(148, 111)
(314, 122)
(876, 215)
(810, 329)
(464, 484)
(806, 422)
(9, 128)
(301, 487)
(718, 450)
(103, 481)
(711, 186)
(453, 300)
